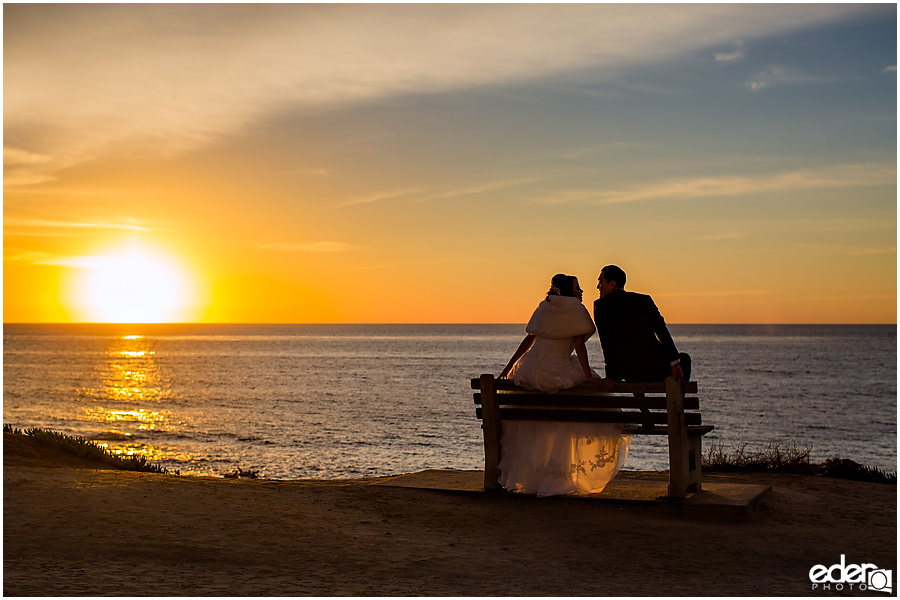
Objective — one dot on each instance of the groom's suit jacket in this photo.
(637, 345)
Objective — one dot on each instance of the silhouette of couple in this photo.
(550, 458)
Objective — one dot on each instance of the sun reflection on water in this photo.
(129, 395)
(145, 420)
(149, 452)
(129, 373)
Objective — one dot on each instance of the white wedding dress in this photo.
(548, 458)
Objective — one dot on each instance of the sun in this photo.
(131, 286)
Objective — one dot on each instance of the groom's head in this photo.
(611, 278)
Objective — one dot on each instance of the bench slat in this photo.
(587, 416)
(551, 400)
(692, 430)
(688, 387)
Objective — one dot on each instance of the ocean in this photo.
(346, 401)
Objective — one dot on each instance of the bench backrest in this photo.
(588, 403)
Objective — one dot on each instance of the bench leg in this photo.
(490, 424)
(695, 472)
(678, 440)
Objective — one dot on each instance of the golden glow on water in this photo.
(131, 372)
(148, 452)
(130, 386)
(146, 419)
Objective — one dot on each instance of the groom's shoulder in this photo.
(642, 299)
(614, 300)
(629, 296)
(634, 299)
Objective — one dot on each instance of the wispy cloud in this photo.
(404, 264)
(17, 156)
(822, 250)
(478, 189)
(427, 195)
(311, 247)
(871, 174)
(56, 225)
(778, 75)
(729, 235)
(728, 57)
(316, 172)
(575, 153)
(378, 196)
(83, 79)
(717, 293)
(891, 69)
(29, 256)
(840, 298)
(77, 262)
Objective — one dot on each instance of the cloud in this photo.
(870, 174)
(727, 57)
(731, 235)
(17, 156)
(891, 69)
(717, 293)
(820, 250)
(869, 250)
(576, 153)
(77, 262)
(84, 79)
(378, 196)
(478, 189)
(311, 247)
(849, 300)
(431, 195)
(50, 224)
(783, 75)
(18, 255)
(21, 167)
(319, 172)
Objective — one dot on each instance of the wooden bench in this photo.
(646, 409)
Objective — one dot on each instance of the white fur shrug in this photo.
(560, 317)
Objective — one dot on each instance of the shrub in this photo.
(83, 448)
(774, 459)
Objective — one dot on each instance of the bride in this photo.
(549, 458)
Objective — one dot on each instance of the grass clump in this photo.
(775, 459)
(848, 469)
(772, 459)
(83, 448)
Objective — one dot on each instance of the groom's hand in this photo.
(677, 373)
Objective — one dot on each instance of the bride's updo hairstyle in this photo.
(562, 285)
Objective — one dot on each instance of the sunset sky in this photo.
(439, 163)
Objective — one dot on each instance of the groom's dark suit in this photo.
(637, 345)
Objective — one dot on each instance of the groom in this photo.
(636, 343)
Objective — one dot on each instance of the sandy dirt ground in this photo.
(70, 528)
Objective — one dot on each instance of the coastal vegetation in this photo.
(771, 459)
(775, 459)
(83, 448)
